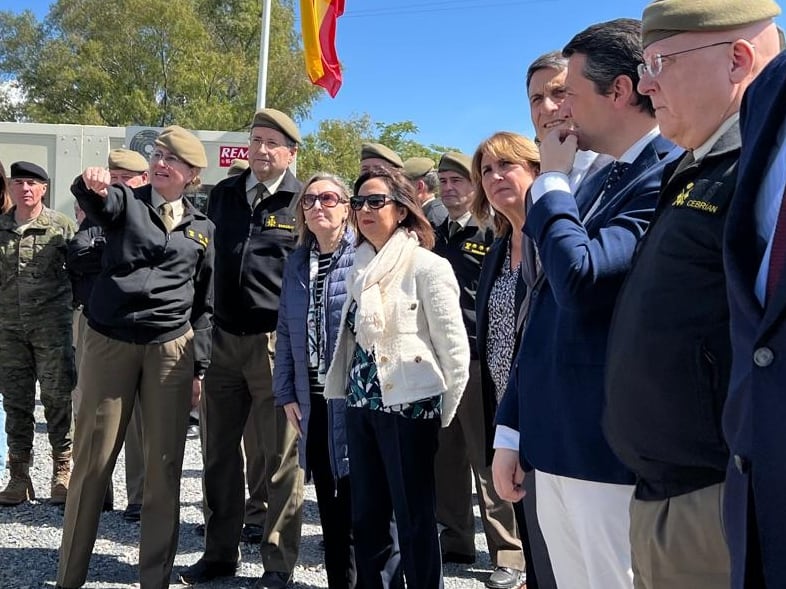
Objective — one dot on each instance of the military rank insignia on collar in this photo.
(198, 237)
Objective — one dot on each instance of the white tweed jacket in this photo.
(423, 350)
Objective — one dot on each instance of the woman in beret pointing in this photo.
(149, 331)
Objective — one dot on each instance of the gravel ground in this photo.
(30, 536)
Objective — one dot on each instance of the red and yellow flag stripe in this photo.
(318, 18)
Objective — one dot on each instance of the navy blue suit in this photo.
(556, 394)
(755, 413)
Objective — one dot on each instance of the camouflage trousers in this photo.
(41, 353)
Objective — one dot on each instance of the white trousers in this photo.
(586, 526)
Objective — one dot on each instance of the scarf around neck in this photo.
(373, 273)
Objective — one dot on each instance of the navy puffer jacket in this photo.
(290, 375)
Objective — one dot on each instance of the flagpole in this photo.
(264, 50)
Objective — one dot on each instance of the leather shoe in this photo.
(274, 580)
(203, 571)
(506, 578)
(133, 512)
(252, 534)
(458, 558)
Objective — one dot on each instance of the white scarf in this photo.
(372, 273)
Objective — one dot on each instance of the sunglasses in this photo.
(326, 199)
(374, 201)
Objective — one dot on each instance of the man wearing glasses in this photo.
(669, 348)
(255, 232)
(35, 331)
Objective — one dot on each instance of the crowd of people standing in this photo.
(587, 327)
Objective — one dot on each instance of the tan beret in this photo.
(275, 119)
(454, 161)
(417, 167)
(184, 145)
(666, 18)
(369, 150)
(237, 167)
(126, 159)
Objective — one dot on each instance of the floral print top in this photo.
(363, 388)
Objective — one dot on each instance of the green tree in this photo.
(335, 145)
(153, 62)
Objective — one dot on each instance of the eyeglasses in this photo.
(654, 65)
(169, 159)
(256, 143)
(326, 199)
(374, 201)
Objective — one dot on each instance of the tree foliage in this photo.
(335, 145)
(153, 62)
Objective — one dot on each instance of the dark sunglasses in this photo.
(374, 201)
(326, 199)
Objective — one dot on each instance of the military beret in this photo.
(666, 18)
(126, 159)
(184, 145)
(417, 167)
(275, 119)
(28, 170)
(454, 161)
(369, 150)
(238, 166)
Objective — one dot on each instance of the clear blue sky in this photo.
(455, 68)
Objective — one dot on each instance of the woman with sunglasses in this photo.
(148, 342)
(313, 292)
(401, 362)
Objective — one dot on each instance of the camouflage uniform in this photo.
(35, 328)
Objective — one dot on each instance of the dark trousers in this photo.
(539, 573)
(333, 500)
(392, 471)
(240, 378)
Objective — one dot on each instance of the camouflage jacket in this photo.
(34, 283)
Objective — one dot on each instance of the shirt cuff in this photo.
(547, 182)
(506, 437)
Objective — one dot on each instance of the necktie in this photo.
(259, 196)
(616, 172)
(453, 228)
(167, 216)
(778, 251)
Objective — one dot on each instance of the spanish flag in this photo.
(318, 18)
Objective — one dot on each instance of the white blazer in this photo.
(423, 350)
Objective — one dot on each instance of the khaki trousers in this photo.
(115, 376)
(679, 543)
(462, 452)
(240, 375)
(256, 504)
(135, 459)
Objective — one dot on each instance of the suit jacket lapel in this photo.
(590, 189)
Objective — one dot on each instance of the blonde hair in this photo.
(502, 145)
(304, 234)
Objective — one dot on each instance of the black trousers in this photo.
(333, 500)
(392, 471)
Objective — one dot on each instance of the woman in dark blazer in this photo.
(313, 292)
(503, 169)
(148, 342)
